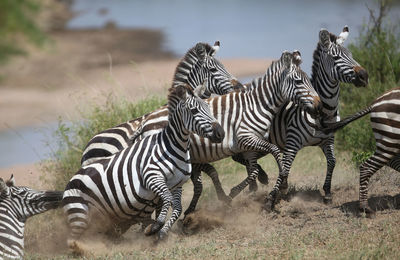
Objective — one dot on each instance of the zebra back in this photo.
(197, 67)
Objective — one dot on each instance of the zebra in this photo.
(246, 117)
(385, 122)
(17, 204)
(126, 188)
(293, 127)
(197, 67)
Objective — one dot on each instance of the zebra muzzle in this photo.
(218, 133)
(237, 85)
(52, 199)
(361, 79)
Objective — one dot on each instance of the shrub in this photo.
(17, 23)
(377, 49)
(72, 137)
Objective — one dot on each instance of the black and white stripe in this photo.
(332, 64)
(246, 118)
(197, 67)
(385, 123)
(126, 188)
(17, 204)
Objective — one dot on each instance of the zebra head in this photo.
(200, 67)
(337, 61)
(196, 115)
(296, 86)
(24, 202)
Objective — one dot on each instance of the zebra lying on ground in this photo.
(197, 67)
(385, 122)
(246, 118)
(125, 188)
(17, 204)
(294, 128)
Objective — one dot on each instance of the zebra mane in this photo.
(316, 63)
(189, 60)
(275, 65)
(176, 94)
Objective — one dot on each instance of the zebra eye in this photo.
(298, 81)
(213, 70)
(194, 110)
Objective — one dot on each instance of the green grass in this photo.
(73, 137)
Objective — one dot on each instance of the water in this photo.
(255, 29)
(26, 145)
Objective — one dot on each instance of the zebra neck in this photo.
(175, 133)
(328, 91)
(193, 75)
(265, 93)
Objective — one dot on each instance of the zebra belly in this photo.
(203, 151)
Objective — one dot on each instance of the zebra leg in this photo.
(281, 184)
(77, 211)
(367, 169)
(262, 175)
(253, 187)
(176, 212)
(159, 187)
(213, 174)
(252, 176)
(197, 188)
(328, 149)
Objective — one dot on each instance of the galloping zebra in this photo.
(246, 118)
(294, 128)
(197, 67)
(126, 187)
(385, 122)
(16, 205)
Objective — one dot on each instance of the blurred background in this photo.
(61, 57)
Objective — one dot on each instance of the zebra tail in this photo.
(342, 123)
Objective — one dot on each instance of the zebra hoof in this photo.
(262, 176)
(253, 187)
(233, 193)
(327, 199)
(269, 205)
(162, 236)
(369, 213)
(153, 228)
(75, 248)
(226, 199)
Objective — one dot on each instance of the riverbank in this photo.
(84, 67)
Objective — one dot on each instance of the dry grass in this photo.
(304, 228)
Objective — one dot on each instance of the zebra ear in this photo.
(199, 90)
(297, 57)
(215, 48)
(324, 38)
(287, 59)
(181, 91)
(11, 181)
(201, 51)
(3, 186)
(343, 35)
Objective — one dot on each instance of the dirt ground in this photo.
(302, 227)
